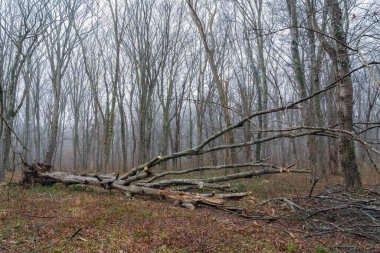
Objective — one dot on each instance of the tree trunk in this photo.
(333, 164)
(54, 121)
(344, 100)
(298, 69)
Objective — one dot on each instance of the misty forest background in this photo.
(106, 85)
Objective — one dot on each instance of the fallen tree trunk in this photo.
(164, 190)
(33, 174)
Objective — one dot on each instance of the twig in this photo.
(287, 201)
(76, 232)
(312, 188)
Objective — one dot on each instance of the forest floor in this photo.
(85, 219)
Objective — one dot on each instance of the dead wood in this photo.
(248, 174)
(33, 174)
(336, 211)
(205, 168)
(181, 193)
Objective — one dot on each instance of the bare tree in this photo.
(253, 19)
(60, 44)
(222, 87)
(308, 112)
(340, 56)
(21, 34)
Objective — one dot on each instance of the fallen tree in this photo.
(176, 190)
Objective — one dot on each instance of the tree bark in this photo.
(54, 122)
(344, 100)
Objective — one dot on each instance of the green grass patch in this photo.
(147, 214)
(101, 222)
(141, 234)
(291, 247)
(321, 249)
(44, 188)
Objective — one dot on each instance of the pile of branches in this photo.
(335, 211)
(338, 211)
